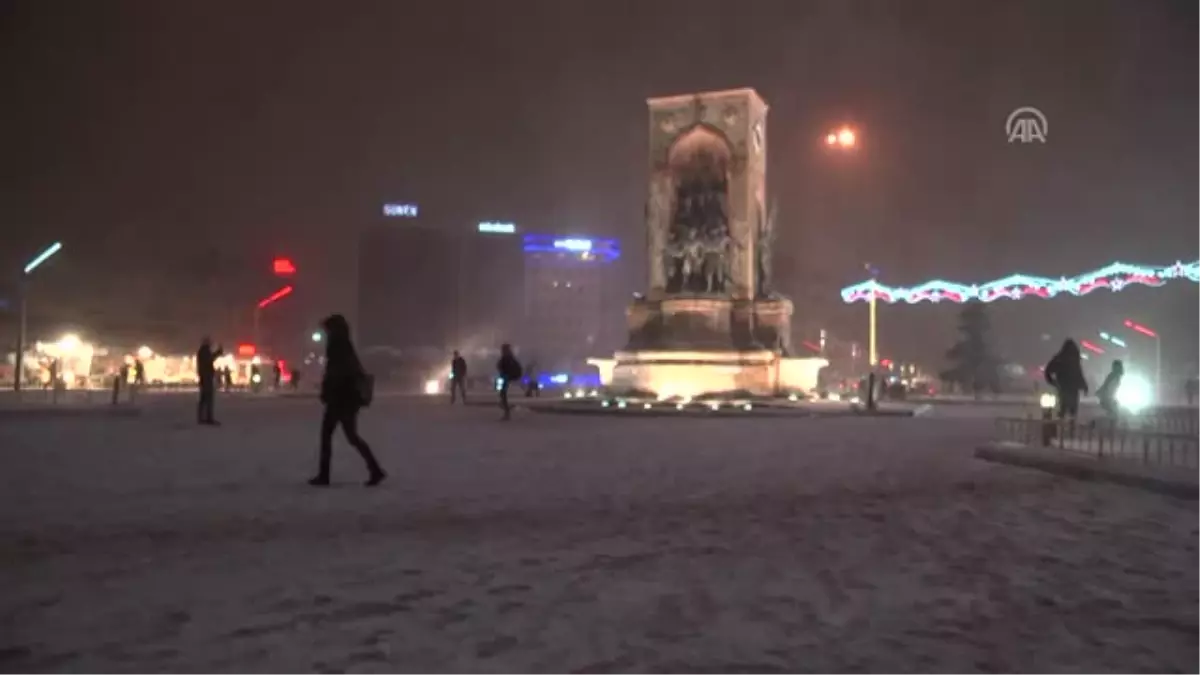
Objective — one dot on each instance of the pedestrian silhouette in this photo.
(1107, 393)
(509, 370)
(207, 374)
(458, 378)
(345, 389)
(1064, 372)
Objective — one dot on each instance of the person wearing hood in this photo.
(344, 391)
(1064, 372)
(1107, 393)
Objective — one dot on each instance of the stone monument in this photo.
(709, 321)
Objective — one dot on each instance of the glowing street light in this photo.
(844, 138)
(1139, 328)
(281, 293)
(19, 356)
(286, 290)
(43, 256)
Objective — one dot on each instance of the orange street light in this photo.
(844, 138)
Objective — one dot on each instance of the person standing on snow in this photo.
(207, 374)
(509, 370)
(1064, 372)
(1107, 393)
(458, 378)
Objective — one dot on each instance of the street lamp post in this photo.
(19, 355)
(873, 321)
(1139, 328)
(844, 139)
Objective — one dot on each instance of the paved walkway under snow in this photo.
(564, 543)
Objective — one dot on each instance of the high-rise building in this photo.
(490, 286)
(440, 288)
(407, 297)
(567, 294)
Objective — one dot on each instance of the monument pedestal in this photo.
(688, 346)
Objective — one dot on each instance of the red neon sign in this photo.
(283, 267)
(286, 290)
(1090, 347)
(246, 350)
(1140, 328)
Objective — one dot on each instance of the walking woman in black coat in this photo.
(342, 392)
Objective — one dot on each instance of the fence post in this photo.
(1047, 426)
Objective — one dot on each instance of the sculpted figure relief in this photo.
(697, 252)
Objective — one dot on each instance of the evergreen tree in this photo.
(973, 366)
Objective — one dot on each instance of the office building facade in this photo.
(568, 292)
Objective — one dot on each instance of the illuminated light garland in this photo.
(1114, 277)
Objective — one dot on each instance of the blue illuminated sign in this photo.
(497, 228)
(400, 210)
(582, 248)
(577, 245)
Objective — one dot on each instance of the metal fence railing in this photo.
(1169, 420)
(1103, 439)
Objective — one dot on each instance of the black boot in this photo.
(376, 478)
(319, 481)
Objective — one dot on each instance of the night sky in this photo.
(174, 147)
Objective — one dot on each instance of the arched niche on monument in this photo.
(698, 249)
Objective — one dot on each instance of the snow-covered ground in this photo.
(568, 543)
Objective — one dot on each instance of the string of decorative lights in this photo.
(1114, 277)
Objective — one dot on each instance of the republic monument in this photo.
(709, 322)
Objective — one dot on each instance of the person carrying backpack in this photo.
(509, 370)
(345, 390)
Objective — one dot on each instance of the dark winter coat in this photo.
(341, 385)
(1108, 390)
(509, 368)
(1065, 370)
(458, 367)
(205, 370)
